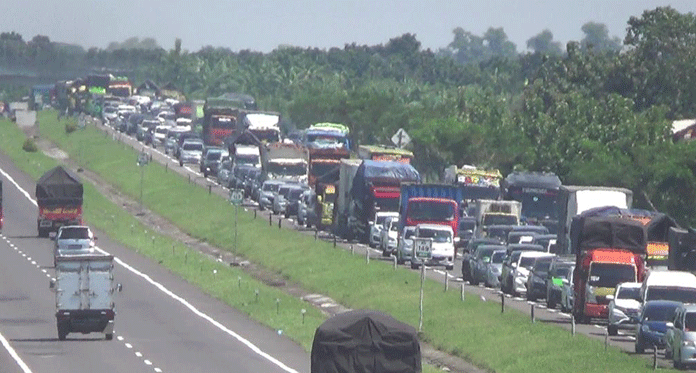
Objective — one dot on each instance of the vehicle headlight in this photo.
(645, 328)
(688, 343)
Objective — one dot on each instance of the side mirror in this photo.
(513, 265)
(610, 297)
(52, 284)
(370, 223)
(669, 325)
(565, 281)
(119, 288)
(457, 239)
(486, 259)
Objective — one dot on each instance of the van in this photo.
(678, 286)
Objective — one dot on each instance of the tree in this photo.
(543, 43)
(597, 38)
(498, 44)
(467, 47)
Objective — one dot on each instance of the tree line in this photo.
(596, 111)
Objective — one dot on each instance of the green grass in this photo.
(473, 329)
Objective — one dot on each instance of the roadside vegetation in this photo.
(474, 329)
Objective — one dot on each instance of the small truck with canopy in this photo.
(59, 196)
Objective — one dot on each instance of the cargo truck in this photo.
(574, 200)
(475, 183)
(609, 251)
(284, 160)
(430, 204)
(84, 288)
(384, 153)
(492, 212)
(220, 118)
(538, 193)
(59, 197)
(364, 188)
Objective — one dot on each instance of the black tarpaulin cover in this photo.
(375, 171)
(59, 186)
(596, 232)
(364, 341)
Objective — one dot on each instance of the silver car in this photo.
(567, 296)
(494, 268)
(191, 151)
(404, 248)
(73, 240)
(680, 339)
(479, 265)
(267, 193)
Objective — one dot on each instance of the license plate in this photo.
(45, 223)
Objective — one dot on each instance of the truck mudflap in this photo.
(85, 321)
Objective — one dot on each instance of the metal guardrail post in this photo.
(446, 280)
(462, 289)
(532, 314)
(502, 302)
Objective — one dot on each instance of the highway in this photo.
(163, 324)
(597, 330)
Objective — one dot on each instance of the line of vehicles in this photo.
(583, 248)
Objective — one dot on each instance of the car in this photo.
(546, 240)
(293, 199)
(389, 236)
(224, 171)
(191, 151)
(680, 338)
(567, 296)
(170, 142)
(536, 282)
(479, 264)
(465, 230)
(161, 134)
(266, 194)
(624, 307)
(280, 199)
(442, 246)
(73, 240)
(517, 278)
(210, 160)
(302, 206)
(377, 225)
(109, 114)
(494, 268)
(180, 141)
(404, 248)
(520, 237)
(554, 282)
(468, 252)
(652, 323)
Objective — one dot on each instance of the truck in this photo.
(59, 197)
(476, 183)
(682, 249)
(220, 118)
(323, 175)
(183, 110)
(284, 160)
(492, 212)
(538, 192)
(257, 128)
(365, 187)
(84, 289)
(384, 153)
(609, 251)
(573, 200)
(430, 204)
(120, 86)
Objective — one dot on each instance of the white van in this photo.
(669, 285)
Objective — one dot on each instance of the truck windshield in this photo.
(250, 159)
(387, 204)
(498, 257)
(675, 293)
(327, 171)
(270, 187)
(608, 275)
(438, 236)
(539, 203)
(430, 211)
(326, 140)
(298, 169)
(499, 219)
(214, 156)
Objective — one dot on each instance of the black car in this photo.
(554, 280)
(536, 282)
(467, 254)
(465, 231)
(293, 200)
(210, 161)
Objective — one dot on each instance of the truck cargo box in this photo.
(59, 186)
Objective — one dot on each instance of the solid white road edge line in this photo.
(161, 287)
(14, 354)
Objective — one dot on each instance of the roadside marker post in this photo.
(462, 289)
(236, 197)
(446, 280)
(502, 302)
(532, 314)
(420, 308)
(367, 256)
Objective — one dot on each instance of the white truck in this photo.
(84, 288)
(492, 212)
(574, 200)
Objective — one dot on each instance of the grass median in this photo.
(473, 329)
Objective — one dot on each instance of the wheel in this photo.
(62, 332)
(400, 260)
(385, 253)
(668, 353)
(612, 330)
(109, 336)
(550, 302)
(415, 265)
(287, 215)
(181, 164)
(449, 267)
(530, 296)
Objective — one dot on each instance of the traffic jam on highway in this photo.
(579, 253)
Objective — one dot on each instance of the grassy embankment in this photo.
(473, 329)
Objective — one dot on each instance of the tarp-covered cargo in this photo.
(365, 341)
(375, 171)
(599, 232)
(59, 186)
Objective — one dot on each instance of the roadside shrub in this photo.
(70, 127)
(29, 146)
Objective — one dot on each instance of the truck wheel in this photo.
(449, 267)
(109, 336)
(43, 233)
(415, 265)
(400, 260)
(62, 332)
(181, 164)
(612, 330)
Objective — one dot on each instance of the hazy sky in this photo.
(264, 24)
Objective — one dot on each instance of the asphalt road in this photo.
(597, 329)
(163, 324)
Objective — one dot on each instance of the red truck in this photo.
(609, 251)
(59, 196)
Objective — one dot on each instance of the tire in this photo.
(109, 336)
(612, 330)
(43, 233)
(550, 302)
(386, 253)
(639, 348)
(668, 354)
(530, 296)
(62, 332)
(449, 267)
(181, 164)
(415, 265)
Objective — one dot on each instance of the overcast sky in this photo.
(263, 25)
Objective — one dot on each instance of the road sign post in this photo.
(422, 249)
(143, 160)
(401, 138)
(236, 197)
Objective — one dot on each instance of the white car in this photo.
(389, 236)
(73, 240)
(521, 273)
(161, 133)
(109, 114)
(624, 307)
(377, 225)
(442, 246)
